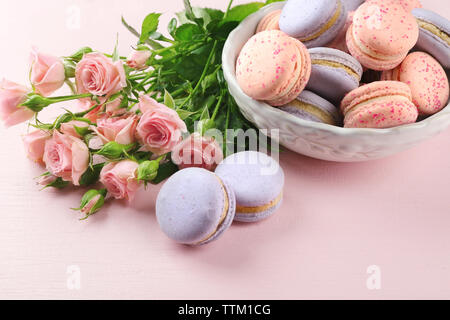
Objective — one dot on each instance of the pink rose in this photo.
(35, 144)
(160, 128)
(197, 151)
(120, 179)
(66, 156)
(99, 75)
(47, 73)
(111, 108)
(138, 59)
(12, 95)
(68, 128)
(119, 129)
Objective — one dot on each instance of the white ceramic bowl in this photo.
(319, 140)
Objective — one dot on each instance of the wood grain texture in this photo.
(336, 220)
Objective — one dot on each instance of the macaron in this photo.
(381, 104)
(434, 36)
(315, 23)
(334, 73)
(352, 5)
(309, 106)
(270, 21)
(195, 207)
(381, 35)
(257, 180)
(427, 80)
(273, 67)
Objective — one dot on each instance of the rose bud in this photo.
(160, 128)
(47, 180)
(148, 170)
(12, 95)
(92, 202)
(47, 73)
(66, 157)
(113, 150)
(119, 129)
(99, 75)
(74, 128)
(120, 179)
(197, 151)
(34, 143)
(138, 59)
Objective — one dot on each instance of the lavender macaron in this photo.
(311, 107)
(334, 73)
(195, 207)
(434, 35)
(352, 5)
(257, 181)
(315, 23)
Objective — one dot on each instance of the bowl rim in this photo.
(230, 76)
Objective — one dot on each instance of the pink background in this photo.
(336, 221)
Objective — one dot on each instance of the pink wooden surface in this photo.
(336, 221)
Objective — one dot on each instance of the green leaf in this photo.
(184, 114)
(172, 26)
(272, 1)
(149, 26)
(91, 175)
(187, 31)
(188, 9)
(168, 100)
(240, 12)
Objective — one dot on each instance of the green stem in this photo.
(71, 86)
(216, 110)
(228, 8)
(69, 98)
(205, 71)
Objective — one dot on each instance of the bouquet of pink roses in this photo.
(139, 118)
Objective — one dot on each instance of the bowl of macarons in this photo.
(342, 80)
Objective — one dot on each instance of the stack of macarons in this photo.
(196, 206)
(378, 59)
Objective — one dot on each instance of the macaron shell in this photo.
(427, 80)
(332, 81)
(188, 214)
(374, 90)
(384, 32)
(309, 21)
(369, 61)
(340, 42)
(270, 22)
(266, 65)
(430, 42)
(408, 5)
(383, 112)
(304, 66)
(257, 179)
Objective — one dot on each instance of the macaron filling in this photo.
(337, 65)
(320, 114)
(327, 26)
(226, 207)
(259, 209)
(434, 30)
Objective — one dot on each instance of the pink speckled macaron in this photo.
(381, 104)
(270, 22)
(381, 34)
(273, 67)
(408, 5)
(427, 80)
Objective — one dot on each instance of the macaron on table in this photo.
(382, 37)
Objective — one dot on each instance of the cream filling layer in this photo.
(250, 210)
(434, 30)
(326, 26)
(371, 53)
(337, 65)
(315, 111)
